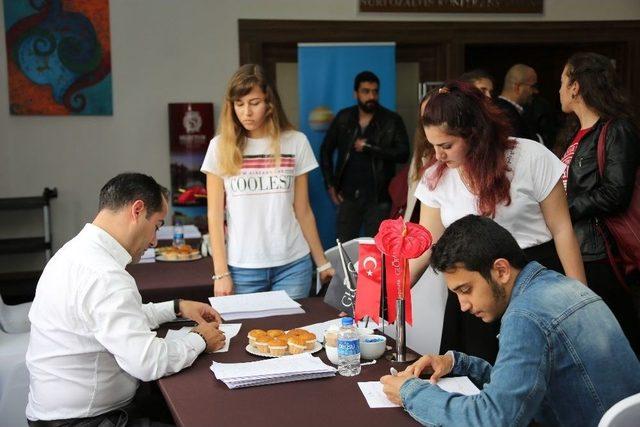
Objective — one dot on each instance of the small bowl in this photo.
(363, 332)
(372, 346)
(332, 354)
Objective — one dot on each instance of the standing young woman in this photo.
(591, 94)
(403, 186)
(480, 170)
(257, 166)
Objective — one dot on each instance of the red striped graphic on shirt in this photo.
(262, 161)
(570, 153)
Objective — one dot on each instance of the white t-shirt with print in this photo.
(262, 228)
(534, 172)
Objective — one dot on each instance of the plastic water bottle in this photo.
(348, 349)
(178, 234)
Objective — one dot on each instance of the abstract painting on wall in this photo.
(59, 57)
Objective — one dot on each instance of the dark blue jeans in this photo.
(355, 214)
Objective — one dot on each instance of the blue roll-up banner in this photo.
(325, 77)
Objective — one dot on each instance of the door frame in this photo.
(439, 47)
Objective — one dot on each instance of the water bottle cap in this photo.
(347, 321)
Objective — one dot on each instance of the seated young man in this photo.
(563, 359)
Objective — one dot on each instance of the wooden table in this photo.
(196, 398)
(164, 281)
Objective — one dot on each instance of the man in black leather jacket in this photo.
(370, 141)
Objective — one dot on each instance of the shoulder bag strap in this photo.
(601, 157)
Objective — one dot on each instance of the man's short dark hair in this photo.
(474, 243)
(475, 75)
(128, 187)
(365, 76)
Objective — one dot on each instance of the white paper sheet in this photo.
(230, 330)
(260, 304)
(190, 232)
(462, 385)
(148, 256)
(372, 391)
(270, 371)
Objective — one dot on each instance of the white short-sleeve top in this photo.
(261, 224)
(534, 172)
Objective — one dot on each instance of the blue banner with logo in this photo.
(325, 82)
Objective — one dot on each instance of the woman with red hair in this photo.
(480, 170)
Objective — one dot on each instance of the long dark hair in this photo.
(423, 152)
(601, 90)
(462, 110)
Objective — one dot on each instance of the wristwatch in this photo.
(176, 307)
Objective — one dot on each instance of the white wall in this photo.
(171, 51)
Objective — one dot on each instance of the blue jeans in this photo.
(293, 278)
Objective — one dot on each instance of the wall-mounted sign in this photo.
(452, 6)
(190, 130)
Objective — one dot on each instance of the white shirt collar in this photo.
(108, 242)
(515, 104)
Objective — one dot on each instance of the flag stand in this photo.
(402, 354)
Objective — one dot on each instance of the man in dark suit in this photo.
(520, 84)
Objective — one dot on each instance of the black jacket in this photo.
(388, 145)
(519, 126)
(590, 197)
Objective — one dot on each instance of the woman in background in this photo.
(258, 167)
(480, 170)
(591, 94)
(403, 186)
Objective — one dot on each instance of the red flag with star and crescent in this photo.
(399, 241)
(369, 282)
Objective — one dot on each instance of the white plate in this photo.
(255, 352)
(191, 258)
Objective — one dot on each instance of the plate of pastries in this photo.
(177, 253)
(278, 343)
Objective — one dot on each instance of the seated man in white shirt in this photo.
(91, 337)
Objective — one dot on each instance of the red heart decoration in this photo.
(402, 239)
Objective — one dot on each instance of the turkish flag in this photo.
(369, 282)
(397, 268)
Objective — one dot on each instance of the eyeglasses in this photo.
(532, 86)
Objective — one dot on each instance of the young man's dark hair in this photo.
(365, 76)
(129, 187)
(475, 242)
(474, 75)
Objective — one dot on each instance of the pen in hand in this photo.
(393, 371)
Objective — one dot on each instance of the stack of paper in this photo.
(190, 232)
(250, 306)
(230, 330)
(148, 256)
(271, 371)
